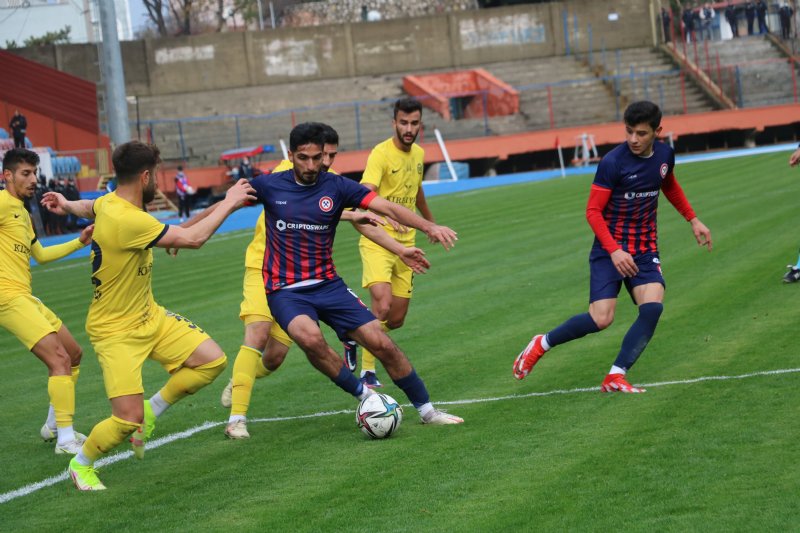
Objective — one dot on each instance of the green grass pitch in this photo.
(714, 455)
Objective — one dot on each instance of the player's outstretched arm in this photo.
(44, 254)
(199, 216)
(436, 233)
(415, 259)
(196, 235)
(365, 218)
(191, 222)
(56, 203)
(410, 255)
(701, 233)
(794, 159)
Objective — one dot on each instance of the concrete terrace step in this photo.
(582, 98)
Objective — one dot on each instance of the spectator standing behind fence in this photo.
(785, 13)
(184, 192)
(666, 20)
(18, 126)
(71, 193)
(56, 224)
(761, 13)
(732, 18)
(688, 23)
(246, 169)
(707, 15)
(750, 15)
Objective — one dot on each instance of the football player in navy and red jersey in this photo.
(622, 208)
(302, 207)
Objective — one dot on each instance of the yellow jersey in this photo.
(16, 238)
(18, 243)
(398, 177)
(122, 264)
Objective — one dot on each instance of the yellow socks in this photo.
(190, 380)
(62, 396)
(246, 369)
(106, 435)
(367, 359)
(261, 370)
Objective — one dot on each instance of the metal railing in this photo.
(585, 100)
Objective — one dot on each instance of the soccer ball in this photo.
(379, 415)
(190, 190)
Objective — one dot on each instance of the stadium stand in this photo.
(753, 71)
(554, 92)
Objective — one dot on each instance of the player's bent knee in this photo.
(257, 335)
(603, 322)
(59, 363)
(274, 356)
(214, 368)
(380, 310)
(395, 324)
(386, 350)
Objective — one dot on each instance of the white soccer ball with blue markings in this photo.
(379, 415)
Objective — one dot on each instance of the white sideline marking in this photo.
(168, 439)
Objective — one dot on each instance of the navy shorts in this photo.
(605, 281)
(330, 301)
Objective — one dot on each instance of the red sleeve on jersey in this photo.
(674, 193)
(367, 199)
(598, 199)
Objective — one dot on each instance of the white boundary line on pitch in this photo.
(168, 439)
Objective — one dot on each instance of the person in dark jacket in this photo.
(18, 126)
(750, 15)
(666, 19)
(761, 13)
(785, 14)
(688, 24)
(732, 17)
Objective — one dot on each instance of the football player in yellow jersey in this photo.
(24, 315)
(125, 324)
(394, 171)
(262, 333)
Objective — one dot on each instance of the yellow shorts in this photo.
(166, 338)
(28, 319)
(254, 306)
(382, 266)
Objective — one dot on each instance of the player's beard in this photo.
(405, 140)
(149, 192)
(306, 178)
(24, 190)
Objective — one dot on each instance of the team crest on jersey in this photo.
(326, 204)
(657, 261)
(663, 170)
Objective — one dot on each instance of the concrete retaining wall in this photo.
(455, 40)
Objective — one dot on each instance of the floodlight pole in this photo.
(113, 75)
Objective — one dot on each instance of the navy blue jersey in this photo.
(635, 183)
(301, 224)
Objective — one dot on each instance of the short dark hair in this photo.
(134, 157)
(180, 167)
(307, 133)
(643, 111)
(15, 156)
(331, 135)
(407, 104)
